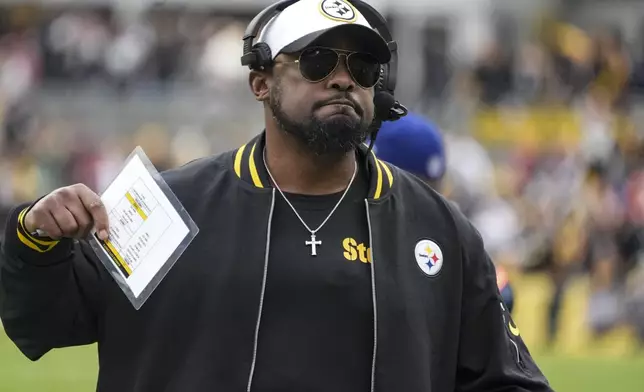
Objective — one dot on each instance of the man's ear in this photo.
(259, 85)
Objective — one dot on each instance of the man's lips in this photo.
(345, 102)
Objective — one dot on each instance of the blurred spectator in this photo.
(597, 130)
(220, 70)
(611, 69)
(470, 171)
(493, 76)
(605, 217)
(19, 67)
(635, 301)
(532, 73)
(571, 51)
(167, 50)
(19, 73)
(189, 143)
(128, 51)
(500, 227)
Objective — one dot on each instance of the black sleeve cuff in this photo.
(31, 248)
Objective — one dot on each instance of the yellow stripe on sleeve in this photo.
(21, 222)
(28, 243)
(28, 240)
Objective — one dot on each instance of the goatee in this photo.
(333, 137)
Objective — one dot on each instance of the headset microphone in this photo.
(397, 111)
(383, 104)
(386, 109)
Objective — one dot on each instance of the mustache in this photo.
(348, 97)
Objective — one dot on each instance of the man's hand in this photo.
(68, 212)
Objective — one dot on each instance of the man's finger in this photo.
(65, 221)
(48, 225)
(82, 217)
(96, 209)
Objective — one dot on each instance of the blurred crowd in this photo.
(115, 54)
(561, 64)
(560, 207)
(567, 205)
(571, 208)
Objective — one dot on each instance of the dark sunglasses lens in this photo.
(317, 63)
(364, 68)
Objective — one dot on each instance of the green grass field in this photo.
(577, 364)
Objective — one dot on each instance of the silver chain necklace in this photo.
(312, 243)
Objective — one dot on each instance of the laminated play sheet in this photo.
(148, 229)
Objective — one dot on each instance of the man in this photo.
(415, 144)
(316, 267)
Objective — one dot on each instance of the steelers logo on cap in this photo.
(338, 10)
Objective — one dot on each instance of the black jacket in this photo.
(197, 332)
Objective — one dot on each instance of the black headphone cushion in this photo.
(263, 56)
(382, 79)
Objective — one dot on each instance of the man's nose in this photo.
(341, 79)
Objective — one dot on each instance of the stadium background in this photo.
(542, 103)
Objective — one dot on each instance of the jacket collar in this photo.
(248, 165)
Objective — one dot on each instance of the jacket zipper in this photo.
(261, 297)
(519, 360)
(373, 296)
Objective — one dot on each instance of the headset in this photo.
(258, 56)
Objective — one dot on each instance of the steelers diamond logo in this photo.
(429, 257)
(338, 10)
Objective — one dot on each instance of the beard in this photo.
(332, 137)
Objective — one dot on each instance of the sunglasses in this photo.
(317, 63)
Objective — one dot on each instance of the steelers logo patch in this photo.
(338, 10)
(429, 257)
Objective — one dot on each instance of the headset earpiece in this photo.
(258, 56)
(383, 79)
(262, 57)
